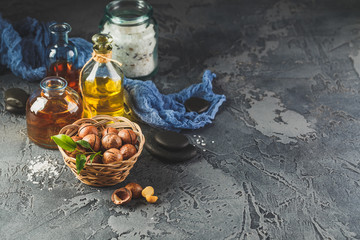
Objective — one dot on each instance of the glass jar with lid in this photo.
(135, 35)
(51, 108)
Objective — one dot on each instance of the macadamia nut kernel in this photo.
(148, 191)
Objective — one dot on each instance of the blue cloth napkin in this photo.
(168, 111)
(23, 46)
(22, 50)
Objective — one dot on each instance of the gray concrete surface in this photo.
(280, 161)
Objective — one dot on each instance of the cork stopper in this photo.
(102, 43)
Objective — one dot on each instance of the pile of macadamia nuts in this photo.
(115, 145)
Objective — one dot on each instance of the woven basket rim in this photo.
(98, 170)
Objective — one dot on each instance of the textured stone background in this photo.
(280, 161)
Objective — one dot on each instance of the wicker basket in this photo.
(101, 175)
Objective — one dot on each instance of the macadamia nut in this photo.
(87, 129)
(135, 188)
(112, 155)
(93, 140)
(128, 151)
(109, 130)
(111, 140)
(128, 136)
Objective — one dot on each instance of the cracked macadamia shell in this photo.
(121, 196)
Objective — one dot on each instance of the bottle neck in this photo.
(53, 86)
(129, 12)
(61, 38)
(60, 33)
(102, 57)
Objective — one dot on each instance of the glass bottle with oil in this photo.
(51, 108)
(62, 55)
(102, 81)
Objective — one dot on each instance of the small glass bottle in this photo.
(102, 81)
(51, 108)
(62, 55)
(135, 34)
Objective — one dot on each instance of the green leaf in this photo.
(84, 144)
(92, 156)
(80, 162)
(65, 142)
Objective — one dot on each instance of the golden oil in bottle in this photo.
(103, 96)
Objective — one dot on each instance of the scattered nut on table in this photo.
(135, 189)
(151, 199)
(121, 196)
(148, 194)
(148, 191)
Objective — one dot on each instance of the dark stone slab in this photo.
(169, 156)
(13, 109)
(16, 97)
(171, 140)
(195, 104)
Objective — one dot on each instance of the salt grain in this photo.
(40, 168)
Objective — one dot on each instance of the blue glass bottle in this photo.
(62, 55)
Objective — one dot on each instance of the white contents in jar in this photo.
(133, 46)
